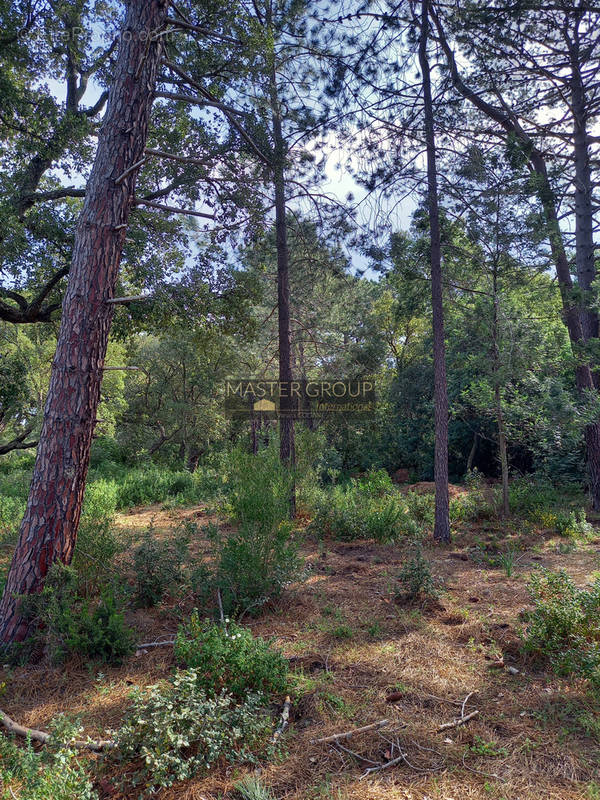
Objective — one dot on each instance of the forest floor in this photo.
(351, 643)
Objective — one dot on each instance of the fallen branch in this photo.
(46, 738)
(285, 718)
(457, 722)
(348, 734)
(148, 645)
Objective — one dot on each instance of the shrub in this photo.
(158, 565)
(11, 514)
(573, 524)
(152, 485)
(253, 565)
(421, 507)
(177, 730)
(54, 773)
(415, 578)
(65, 624)
(369, 508)
(229, 657)
(255, 562)
(564, 626)
(100, 501)
(97, 546)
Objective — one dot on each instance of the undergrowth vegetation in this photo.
(227, 656)
(563, 628)
(175, 730)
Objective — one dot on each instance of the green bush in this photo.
(100, 500)
(564, 626)
(152, 485)
(254, 562)
(158, 565)
(367, 508)
(65, 624)
(415, 578)
(98, 543)
(253, 565)
(54, 773)
(228, 657)
(573, 524)
(176, 730)
(12, 510)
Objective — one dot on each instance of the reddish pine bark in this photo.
(49, 528)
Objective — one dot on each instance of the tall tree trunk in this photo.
(49, 528)
(441, 530)
(584, 205)
(287, 446)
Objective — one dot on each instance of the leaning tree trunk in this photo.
(49, 528)
(441, 530)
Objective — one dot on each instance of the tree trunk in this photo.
(287, 447)
(49, 528)
(584, 206)
(472, 453)
(441, 530)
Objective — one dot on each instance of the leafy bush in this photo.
(65, 624)
(52, 774)
(152, 485)
(415, 578)
(177, 730)
(368, 508)
(229, 657)
(564, 626)
(529, 495)
(573, 524)
(11, 514)
(100, 501)
(253, 565)
(158, 565)
(97, 546)
(255, 562)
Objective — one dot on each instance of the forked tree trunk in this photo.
(49, 528)
(441, 530)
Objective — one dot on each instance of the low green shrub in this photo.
(176, 730)
(97, 546)
(11, 514)
(53, 773)
(158, 565)
(368, 508)
(100, 500)
(253, 564)
(564, 626)
(228, 657)
(416, 580)
(573, 524)
(64, 623)
(152, 485)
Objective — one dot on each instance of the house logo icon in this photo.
(264, 405)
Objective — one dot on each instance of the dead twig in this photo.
(457, 722)
(285, 718)
(348, 734)
(45, 738)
